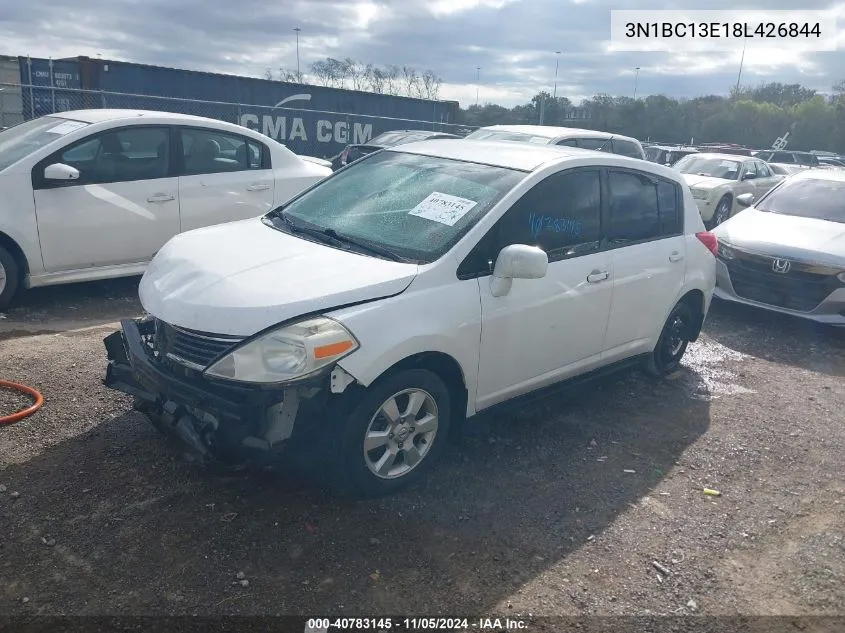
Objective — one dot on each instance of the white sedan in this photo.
(94, 194)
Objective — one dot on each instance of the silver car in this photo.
(787, 252)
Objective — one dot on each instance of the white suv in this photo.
(420, 285)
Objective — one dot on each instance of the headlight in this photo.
(700, 194)
(291, 352)
(725, 252)
(841, 277)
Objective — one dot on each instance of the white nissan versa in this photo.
(415, 287)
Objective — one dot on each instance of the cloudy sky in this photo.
(512, 41)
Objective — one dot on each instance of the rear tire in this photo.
(10, 277)
(673, 341)
(405, 420)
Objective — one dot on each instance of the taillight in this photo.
(710, 241)
(344, 155)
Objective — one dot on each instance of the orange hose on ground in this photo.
(23, 413)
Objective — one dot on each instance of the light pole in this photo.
(557, 63)
(477, 83)
(298, 75)
(741, 61)
(636, 81)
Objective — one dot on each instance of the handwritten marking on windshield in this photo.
(540, 223)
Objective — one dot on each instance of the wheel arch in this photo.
(16, 251)
(446, 368)
(695, 299)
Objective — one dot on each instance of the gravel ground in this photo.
(562, 508)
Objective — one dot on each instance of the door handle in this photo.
(675, 257)
(596, 276)
(258, 187)
(161, 197)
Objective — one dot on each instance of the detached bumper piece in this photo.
(240, 425)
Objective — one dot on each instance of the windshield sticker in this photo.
(443, 208)
(67, 127)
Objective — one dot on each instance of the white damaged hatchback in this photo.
(421, 285)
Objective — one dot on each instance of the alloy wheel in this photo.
(401, 433)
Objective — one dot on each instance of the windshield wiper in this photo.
(376, 249)
(331, 236)
(311, 231)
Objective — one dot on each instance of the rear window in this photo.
(626, 148)
(501, 135)
(654, 154)
(388, 139)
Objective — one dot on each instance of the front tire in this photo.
(10, 276)
(721, 214)
(394, 434)
(673, 341)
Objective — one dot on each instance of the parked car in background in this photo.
(789, 158)
(367, 317)
(717, 179)
(316, 160)
(668, 154)
(831, 161)
(787, 251)
(725, 148)
(785, 169)
(393, 138)
(93, 194)
(568, 136)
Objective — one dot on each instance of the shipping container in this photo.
(57, 83)
(312, 120)
(11, 101)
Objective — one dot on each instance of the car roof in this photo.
(520, 156)
(551, 131)
(675, 148)
(100, 116)
(734, 157)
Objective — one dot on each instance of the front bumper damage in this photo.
(218, 420)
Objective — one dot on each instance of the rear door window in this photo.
(206, 151)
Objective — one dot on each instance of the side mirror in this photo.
(745, 199)
(60, 171)
(749, 176)
(517, 261)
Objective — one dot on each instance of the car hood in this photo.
(808, 239)
(704, 182)
(242, 277)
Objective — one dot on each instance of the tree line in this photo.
(752, 116)
(355, 75)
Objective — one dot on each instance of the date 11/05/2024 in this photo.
(764, 30)
(389, 625)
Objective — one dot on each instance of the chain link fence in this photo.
(305, 131)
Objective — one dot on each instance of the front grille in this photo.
(197, 348)
(802, 289)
